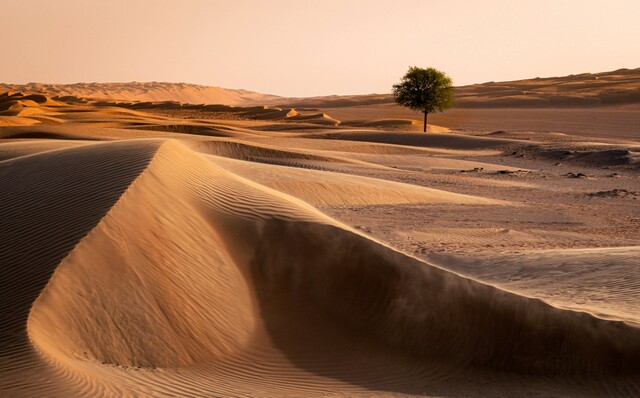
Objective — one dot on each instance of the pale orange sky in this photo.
(305, 48)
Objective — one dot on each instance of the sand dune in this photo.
(620, 87)
(157, 293)
(148, 255)
(19, 109)
(586, 89)
(153, 91)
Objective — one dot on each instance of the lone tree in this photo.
(425, 90)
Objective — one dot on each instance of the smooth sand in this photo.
(210, 251)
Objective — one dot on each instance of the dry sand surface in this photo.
(158, 249)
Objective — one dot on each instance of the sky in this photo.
(309, 48)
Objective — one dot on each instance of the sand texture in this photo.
(164, 249)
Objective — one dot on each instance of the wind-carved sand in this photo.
(254, 252)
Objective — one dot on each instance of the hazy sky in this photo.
(304, 48)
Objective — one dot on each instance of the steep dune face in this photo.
(41, 220)
(429, 312)
(173, 297)
(193, 265)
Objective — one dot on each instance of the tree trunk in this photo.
(425, 122)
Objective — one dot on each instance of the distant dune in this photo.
(153, 91)
(619, 87)
(586, 89)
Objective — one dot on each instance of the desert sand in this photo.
(164, 249)
(145, 91)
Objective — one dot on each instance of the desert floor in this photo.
(164, 250)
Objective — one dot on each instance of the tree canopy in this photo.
(425, 90)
